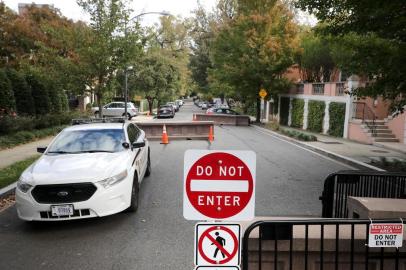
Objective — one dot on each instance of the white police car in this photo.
(91, 169)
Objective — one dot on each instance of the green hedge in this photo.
(284, 111)
(22, 93)
(316, 116)
(10, 124)
(337, 119)
(7, 101)
(21, 137)
(297, 113)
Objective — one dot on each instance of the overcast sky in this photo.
(70, 9)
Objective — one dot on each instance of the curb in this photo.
(8, 190)
(346, 160)
(388, 148)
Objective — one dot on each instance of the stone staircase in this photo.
(382, 132)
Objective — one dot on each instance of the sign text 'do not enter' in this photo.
(220, 185)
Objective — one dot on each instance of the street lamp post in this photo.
(130, 68)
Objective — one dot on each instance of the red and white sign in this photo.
(217, 268)
(217, 244)
(219, 185)
(385, 235)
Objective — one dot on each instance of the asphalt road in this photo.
(289, 182)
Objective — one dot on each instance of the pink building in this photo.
(366, 120)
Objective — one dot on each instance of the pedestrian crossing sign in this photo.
(217, 244)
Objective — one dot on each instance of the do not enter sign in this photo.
(219, 185)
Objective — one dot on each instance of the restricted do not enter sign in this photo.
(219, 185)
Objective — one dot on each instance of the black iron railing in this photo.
(338, 186)
(364, 112)
(317, 244)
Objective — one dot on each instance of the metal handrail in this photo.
(367, 115)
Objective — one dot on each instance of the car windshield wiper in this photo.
(60, 152)
(95, 151)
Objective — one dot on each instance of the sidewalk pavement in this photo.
(358, 151)
(21, 152)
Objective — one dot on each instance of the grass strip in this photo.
(21, 137)
(11, 173)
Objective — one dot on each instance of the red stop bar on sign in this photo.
(219, 185)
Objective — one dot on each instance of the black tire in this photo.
(96, 114)
(128, 116)
(148, 170)
(134, 196)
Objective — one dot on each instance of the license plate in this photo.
(62, 210)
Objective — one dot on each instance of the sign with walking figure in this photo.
(217, 244)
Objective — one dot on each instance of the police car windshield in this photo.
(88, 141)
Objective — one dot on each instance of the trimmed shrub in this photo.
(22, 93)
(297, 112)
(39, 93)
(284, 111)
(337, 119)
(64, 101)
(299, 135)
(7, 101)
(316, 115)
(10, 124)
(54, 98)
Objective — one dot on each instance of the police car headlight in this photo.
(114, 179)
(23, 186)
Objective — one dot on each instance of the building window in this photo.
(318, 88)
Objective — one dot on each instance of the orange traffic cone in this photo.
(211, 135)
(165, 139)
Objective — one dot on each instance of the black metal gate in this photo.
(338, 186)
(317, 244)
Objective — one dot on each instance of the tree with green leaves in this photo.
(255, 49)
(104, 54)
(370, 40)
(156, 77)
(315, 59)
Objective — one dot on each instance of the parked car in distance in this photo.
(179, 102)
(91, 169)
(166, 111)
(116, 109)
(204, 106)
(221, 111)
(176, 107)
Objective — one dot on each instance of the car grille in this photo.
(63, 193)
(76, 213)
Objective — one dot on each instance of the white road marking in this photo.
(219, 185)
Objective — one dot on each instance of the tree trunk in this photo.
(99, 103)
(150, 104)
(258, 120)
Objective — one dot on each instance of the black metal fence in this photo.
(317, 244)
(338, 186)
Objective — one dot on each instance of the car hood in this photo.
(72, 168)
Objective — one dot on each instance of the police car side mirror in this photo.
(41, 149)
(126, 145)
(138, 144)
